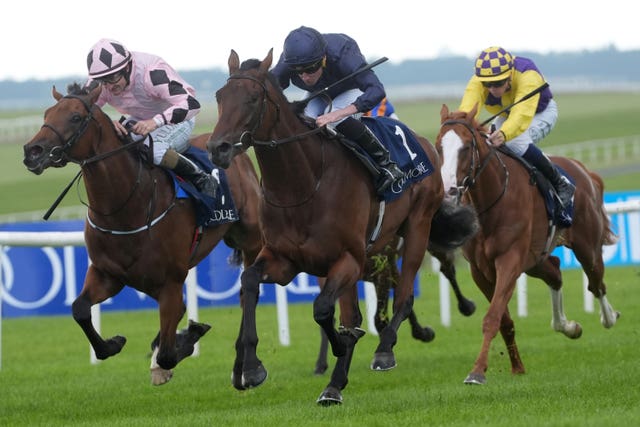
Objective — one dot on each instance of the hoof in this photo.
(329, 397)
(383, 361)
(113, 346)
(425, 334)
(160, 376)
(236, 381)
(254, 378)
(478, 379)
(320, 369)
(467, 308)
(575, 332)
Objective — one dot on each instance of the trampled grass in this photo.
(46, 377)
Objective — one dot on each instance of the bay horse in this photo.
(382, 271)
(318, 209)
(515, 233)
(137, 232)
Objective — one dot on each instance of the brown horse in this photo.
(318, 210)
(137, 232)
(515, 233)
(382, 271)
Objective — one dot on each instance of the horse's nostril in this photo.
(452, 191)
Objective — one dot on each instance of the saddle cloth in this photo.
(403, 148)
(209, 211)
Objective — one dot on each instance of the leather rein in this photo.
(60, 155)
(247, 139)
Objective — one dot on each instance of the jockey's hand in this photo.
(330, 117)
(120, 129)
(497, 138)
(144, 127)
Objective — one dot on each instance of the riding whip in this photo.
(317, 93)
(524, 98)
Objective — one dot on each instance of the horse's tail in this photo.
(452, 226)
(608, 237)
(235, 257)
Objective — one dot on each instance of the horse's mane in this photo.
(77, 89)
(254, 64)
(466, 116)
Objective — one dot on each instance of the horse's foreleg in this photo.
(171, 311)
(466, 307)
(498, 295)
(508, 332)
(97, 288)
(341, 281)
(253, 372)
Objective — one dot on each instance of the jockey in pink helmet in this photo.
(156, 101)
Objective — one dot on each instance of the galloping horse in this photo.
(318, 210)
(515, 233)
(137, 232)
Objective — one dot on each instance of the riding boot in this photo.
(184, 167)
(563, 186)
(388, 171)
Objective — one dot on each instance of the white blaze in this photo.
(451, 144)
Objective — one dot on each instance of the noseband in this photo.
(59, 154)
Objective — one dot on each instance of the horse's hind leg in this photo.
(549, 271)
(590, 257)
(97, 288)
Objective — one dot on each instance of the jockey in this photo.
(313, 61)
(500, 80)
(159, 103)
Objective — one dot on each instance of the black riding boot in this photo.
(388, 170)
(564, 188)
(184, 167)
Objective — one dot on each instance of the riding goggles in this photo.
(498, 83)
(307, 68)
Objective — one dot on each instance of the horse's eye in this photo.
(76, 118)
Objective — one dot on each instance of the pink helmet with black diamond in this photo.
(107, 57)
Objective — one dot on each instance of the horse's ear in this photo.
(444, 113)
(56, 95)
(266, 62)
(95, 93)
(234, 62)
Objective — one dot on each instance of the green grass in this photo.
(46, 377)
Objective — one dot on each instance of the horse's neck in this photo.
(490, 178)
(110, 181)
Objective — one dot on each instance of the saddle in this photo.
(403, 147)
(559, 216)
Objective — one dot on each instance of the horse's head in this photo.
(457, 143)
(246, 110)
(65, 123)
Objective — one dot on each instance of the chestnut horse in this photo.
(318, 210)
(137, 232)
(515, 233)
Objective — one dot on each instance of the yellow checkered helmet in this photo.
(493, 64)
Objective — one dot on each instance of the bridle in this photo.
(476, 167)
(60, 155)
(247, 138)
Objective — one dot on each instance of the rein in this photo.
(60, 154)
(469, 181)
(246, 139)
